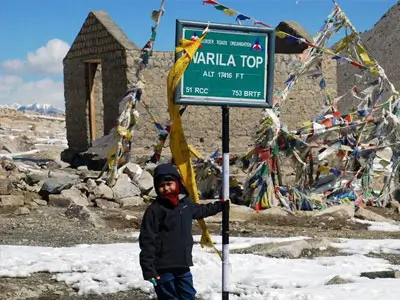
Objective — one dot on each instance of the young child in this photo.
(166, 239)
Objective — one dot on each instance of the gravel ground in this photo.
(48, 226)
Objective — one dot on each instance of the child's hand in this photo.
(154, 280)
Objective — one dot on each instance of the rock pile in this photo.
(28, 185)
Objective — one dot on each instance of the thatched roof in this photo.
(282, 45)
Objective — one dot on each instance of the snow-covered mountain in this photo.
(11, 106)
(40, 108)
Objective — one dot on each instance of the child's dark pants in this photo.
(175, 284)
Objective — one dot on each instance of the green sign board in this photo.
(234, 65)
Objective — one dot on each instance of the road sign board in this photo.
(234, 65)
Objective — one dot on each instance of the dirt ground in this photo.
(48, 226)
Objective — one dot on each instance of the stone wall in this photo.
(100, 39)
(202, 125)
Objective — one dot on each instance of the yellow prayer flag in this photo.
(179, 148)
(230, 12)
(374, 71)
(281, 34)
(194, 153)
(364, 55)
(307, 124)
(344, 43)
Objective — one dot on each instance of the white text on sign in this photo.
(227, 75)
(197, 90)
(252, 94)
(218, 59)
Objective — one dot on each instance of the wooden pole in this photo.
(91, 71)
(158, 20)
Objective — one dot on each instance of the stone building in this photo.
(101, 66)
(95, 78)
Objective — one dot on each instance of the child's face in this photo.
(167, 187)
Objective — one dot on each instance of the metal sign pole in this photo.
(225, 197)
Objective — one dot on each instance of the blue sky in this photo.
(30, 25)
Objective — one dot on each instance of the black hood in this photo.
(164, 170)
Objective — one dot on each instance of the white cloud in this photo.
(45, 60)
(47, 91)
(7, 83)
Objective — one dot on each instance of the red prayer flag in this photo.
(336, 114)
(212, 2)
(348, 118)
(261, 23)
(356, 64)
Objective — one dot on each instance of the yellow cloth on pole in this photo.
(179, 148)
(344, 43)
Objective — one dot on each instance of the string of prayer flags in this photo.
(147, 50)
(336, 14)
(232, 12)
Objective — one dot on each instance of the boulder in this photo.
(83, 213)
(10, 148)
(103, 191)
(82, 168)
(145, 182)
(106, 204)
(58, 200)
(68, 197)
(338, 280)
(6, 186)
(134, 171)
(20, 211)
(7, 164)
(152, 193)
(40, 202)
(54, 186)
(290, 250)
(35, 176)
(62, 175)
(365, 214)
(381, 274)
(274, 211)
(91, 184)
(12, 200)
(338, 211)
(75, 195)
(125, 188)
(150, 167)
(32, 205)
(131, 202)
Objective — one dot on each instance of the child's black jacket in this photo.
(166, 239)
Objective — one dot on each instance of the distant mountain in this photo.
(46, 109)
(11, 106)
